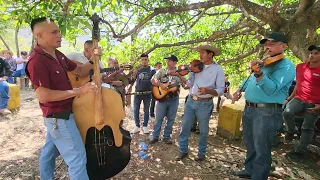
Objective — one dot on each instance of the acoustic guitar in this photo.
(158, 93)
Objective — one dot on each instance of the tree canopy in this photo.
(132, 27)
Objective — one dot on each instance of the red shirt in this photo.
(44, 70)
(308, 83)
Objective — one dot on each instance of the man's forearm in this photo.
(183, 80)
(47, 95)
(213, 92)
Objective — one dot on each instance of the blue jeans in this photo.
(4, 94)
(201, 110)
(19, 73)
(10, 80)
(64, 140)
(259, 131)
(168, 108)
(136, 107)
(152, 105)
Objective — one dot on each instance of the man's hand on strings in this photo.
(163, 86)
(89, 87)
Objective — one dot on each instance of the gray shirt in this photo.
(212, 77)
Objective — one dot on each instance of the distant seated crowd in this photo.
(10, 68)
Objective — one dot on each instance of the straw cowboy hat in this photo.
(209, 47)
(4, 51)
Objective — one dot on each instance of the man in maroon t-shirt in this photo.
(47, 70)
(304, 99)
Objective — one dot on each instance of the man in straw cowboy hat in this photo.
(203, 86)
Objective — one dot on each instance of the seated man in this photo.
(7, 55)
(21, 62)
(5, 72)
(304, 99)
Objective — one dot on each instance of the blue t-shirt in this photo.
(143, 81)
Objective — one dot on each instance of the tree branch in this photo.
(303, 6)
(248, 53)
(66, 7)
(195, 21)
(263, 13)
(5, 43)
(126, 24)
(164, 10)
(138, 5)
(222, 13)
(315, 14)
(215, 35)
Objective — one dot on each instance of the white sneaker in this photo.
(4, 112)
(145, 130)
(135, 130)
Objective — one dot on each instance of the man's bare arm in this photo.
(48, 95)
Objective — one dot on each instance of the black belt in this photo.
(61, 115)
(263, 105)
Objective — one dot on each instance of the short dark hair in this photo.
(24, 53)
(38, 20)
(208, 51)
(144, 55)
(226, 75)
(90, 42)
(157, 63)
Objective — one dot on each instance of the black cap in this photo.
(312, 47)
(275, 37)
(172, 57)
(24, 53)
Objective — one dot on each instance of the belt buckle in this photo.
(195, 98)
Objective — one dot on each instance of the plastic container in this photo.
(143, 155)
(143, 146)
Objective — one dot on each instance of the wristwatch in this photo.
(258, 75)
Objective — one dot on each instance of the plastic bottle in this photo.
(143, 155)
(143, 146)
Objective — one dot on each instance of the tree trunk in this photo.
(16, 38)
(300, 36)
(33, 43)
(5, 43)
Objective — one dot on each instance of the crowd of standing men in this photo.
(266, 95)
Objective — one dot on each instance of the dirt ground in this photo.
(23, 133)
